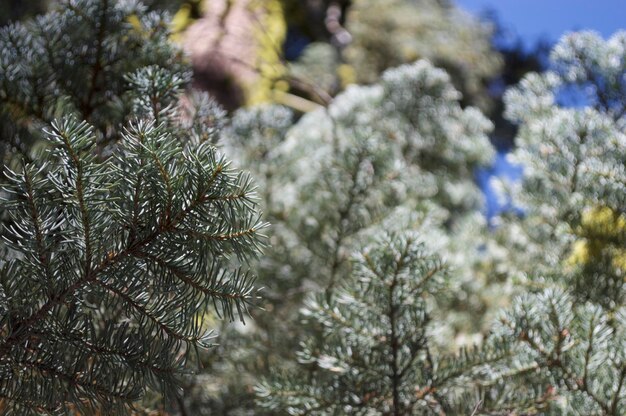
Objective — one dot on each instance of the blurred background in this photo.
(301, 53)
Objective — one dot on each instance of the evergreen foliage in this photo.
(377, 355)
(122, 235)
(568, 249)
(560, 345)
(388, 33)
(342, 176)
(573, 192)
(128, 235)
(74, 60)
(355, 41)
(377, 152)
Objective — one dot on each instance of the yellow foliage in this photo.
(270, 34)
(135, 22)
(188, 13)
(409, 54)
(603, 221)
(600, 228)
(181, 20)
(579, 255)
(619, 259)
(347, 74)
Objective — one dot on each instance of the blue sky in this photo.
(549, 19)
(531, 21)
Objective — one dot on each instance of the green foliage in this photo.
(111, 265)
(124, 238)
(376, 354)
(128, 235)
(388, 33)
(567, 249)
(319, 66)
(402, 145)
(341, 176)
(73, 60)
(558, 348)
(574, 159)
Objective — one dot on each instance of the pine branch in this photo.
(133, 249)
